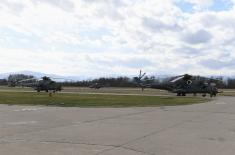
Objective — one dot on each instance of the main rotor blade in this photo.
(27, 84)
(177, 79)
(27, 80)
(61, 79)
(218, 80)
(142, 75)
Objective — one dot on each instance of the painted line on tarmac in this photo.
(221, 103)
(21, 123)
(28, 109)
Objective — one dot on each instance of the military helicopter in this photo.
(183, 84)
(43, 84)
(96, 86)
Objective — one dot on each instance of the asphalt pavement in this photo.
(199, 129)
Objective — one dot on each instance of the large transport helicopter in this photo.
(183, 84)
(43, 84)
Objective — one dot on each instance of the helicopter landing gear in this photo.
(50, 93)
(211, 95)
(181, 94)
(203, 95)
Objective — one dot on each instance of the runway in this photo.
(207, 129)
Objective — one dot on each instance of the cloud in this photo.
(66, 5)
(156, 25)
(116, 36)
(218, 64)
(12, 6)
(189, 52)
(201, 36)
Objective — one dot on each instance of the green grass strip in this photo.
(88, 100)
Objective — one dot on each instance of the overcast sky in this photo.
(105, 37)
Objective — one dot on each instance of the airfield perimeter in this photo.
(205, 128)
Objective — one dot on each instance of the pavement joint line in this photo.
(210, 112)
(147, 135)
(83, 122)
(215, 112)
(119, 116)
(93, 144)
(155, 132)
(73, 143)
(81, 143)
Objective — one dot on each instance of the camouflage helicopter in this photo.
(183, 84)
(43, 84)
(96, 86)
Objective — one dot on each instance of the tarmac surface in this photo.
(200, 129)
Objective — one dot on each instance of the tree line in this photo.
(13, 79)
(121, 81)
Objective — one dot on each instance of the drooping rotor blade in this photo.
(61, 79)
(27, 84)
(27, 80)
(177, 79)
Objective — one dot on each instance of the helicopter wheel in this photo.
(204, 95)
(183, 94)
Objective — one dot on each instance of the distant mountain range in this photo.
(39, 75)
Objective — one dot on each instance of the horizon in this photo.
(118, 37)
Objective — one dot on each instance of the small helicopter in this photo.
(96, 86)
(43, 84)
(183, 84)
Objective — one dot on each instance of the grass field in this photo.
(93, 100)
(116, 90)
(226, 92)
(89, 90)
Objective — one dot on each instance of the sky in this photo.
(118, 37)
